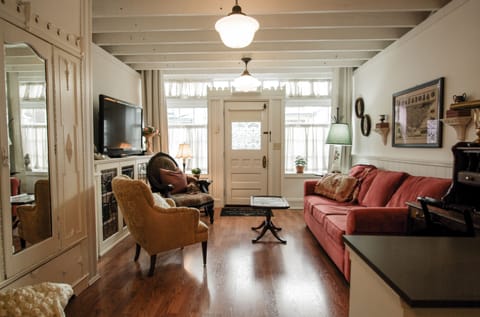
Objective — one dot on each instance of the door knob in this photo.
(264, 161)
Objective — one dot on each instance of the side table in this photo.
(268, 203)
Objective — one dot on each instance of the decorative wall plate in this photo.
(359, 107)
(366, 125)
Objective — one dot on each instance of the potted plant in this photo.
(196, 172)
(300, 163)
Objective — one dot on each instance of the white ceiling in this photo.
(297, 38)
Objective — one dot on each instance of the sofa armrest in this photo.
(309, 186)
(377, 220)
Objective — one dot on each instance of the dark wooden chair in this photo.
(462, 201)
(194, 195)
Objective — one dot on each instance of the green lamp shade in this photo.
(339, 134)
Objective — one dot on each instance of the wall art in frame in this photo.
(416, 115)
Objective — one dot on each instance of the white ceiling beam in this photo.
(257, 64)
(264, 56)
(333, 46)
(300, 74)
(111, 8)
(232, 66)
(288, 35)
(308, 20)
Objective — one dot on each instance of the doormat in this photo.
(242, 210)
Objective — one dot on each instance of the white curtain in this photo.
(342, 98)
(154, 107)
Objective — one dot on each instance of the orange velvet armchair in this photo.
(154, 228)
(35, 221)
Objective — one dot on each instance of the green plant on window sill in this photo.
(196, 172)
(300, 163)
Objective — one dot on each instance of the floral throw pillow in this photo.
(337, 186)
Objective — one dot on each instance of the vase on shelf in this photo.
(149, 132)
(149, 143)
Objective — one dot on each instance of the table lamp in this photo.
(184, 152)
(339, 134)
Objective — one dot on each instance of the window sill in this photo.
(301, 175)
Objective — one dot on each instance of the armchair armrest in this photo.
(309, 186)
(163, 189)
(203, 184)
(377, 220)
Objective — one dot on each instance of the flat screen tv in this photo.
(120, 127)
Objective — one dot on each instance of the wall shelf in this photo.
(383, 128)
(474, 105)
(459, 124)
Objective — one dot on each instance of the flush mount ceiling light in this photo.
(246, 82)
(237, 30)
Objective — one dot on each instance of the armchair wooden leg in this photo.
(137, 252)
(204, 252)
(210, 212)
(23, 244)
(153, 259)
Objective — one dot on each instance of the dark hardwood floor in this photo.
(240, 279)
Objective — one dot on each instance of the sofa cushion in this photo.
(311, 201)
(365, 175)
(382, 188)
(336, 186)
(414, 186)
(319, 212)
(176, 178)
(335, 226)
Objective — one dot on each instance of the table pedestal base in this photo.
(267, 224)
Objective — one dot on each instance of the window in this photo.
(307, 118)
(188, 123)
(306, 125)
(33, 124)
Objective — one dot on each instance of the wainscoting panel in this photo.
(413, 167)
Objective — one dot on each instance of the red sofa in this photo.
(379, 208)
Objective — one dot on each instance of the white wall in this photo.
(69, 20)
(445, 45)
(113, 78)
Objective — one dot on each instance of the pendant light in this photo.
(236, 29)
(246, 82)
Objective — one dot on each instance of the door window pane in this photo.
(246, 136)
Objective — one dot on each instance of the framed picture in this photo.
(416, 116)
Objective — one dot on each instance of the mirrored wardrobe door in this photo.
(29, 224)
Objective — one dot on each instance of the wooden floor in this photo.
(240, 279)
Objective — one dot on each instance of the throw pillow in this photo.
(336, 186)
(160, 201)
(176, 178)
(42, 300)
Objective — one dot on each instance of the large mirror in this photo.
(30, 200)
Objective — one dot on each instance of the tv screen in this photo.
(120, 127)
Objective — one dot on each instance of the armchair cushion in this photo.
(160, 201)
(176, 178)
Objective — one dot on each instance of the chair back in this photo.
(135, 200)
(36, 221)
(156, 162)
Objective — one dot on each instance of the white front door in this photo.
(246, 149)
